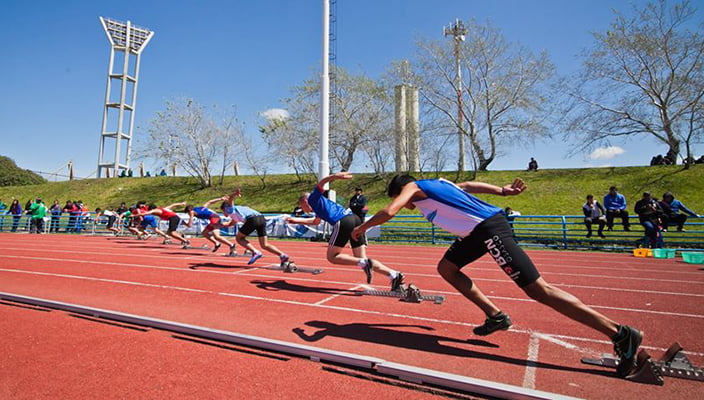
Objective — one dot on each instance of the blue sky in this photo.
(249, 54)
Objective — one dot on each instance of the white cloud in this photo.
(606, 153)
(275, 114)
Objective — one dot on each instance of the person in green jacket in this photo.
(38, 212)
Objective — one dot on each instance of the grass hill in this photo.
(12, 175)
(550, 192)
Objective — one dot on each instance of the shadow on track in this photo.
(381, 334)
(276, 285)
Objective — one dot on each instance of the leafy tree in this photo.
(643, 76)
(12, 175)
(505, 97)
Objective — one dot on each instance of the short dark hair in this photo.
(613, 188)
(590, 196)
(397, 183)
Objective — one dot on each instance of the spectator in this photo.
(55, 211)
(16, 212)
(650, 213)
(122, 209)
(358, 204)
(82, 214)
(297, 211)
(2, 206)
(38, 211)
(70, 209)
(162, 173)
(594, 213)
(699, 160)
(615, 204)
(672, 207)
(532, 165)
(511, 216)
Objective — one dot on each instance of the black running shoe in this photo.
(217, 247)
(397, 282)
(493, 324)
(368, 269)
(626, 343)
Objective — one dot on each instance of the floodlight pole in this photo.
(458, 32)
(131, 40)
(324, 164)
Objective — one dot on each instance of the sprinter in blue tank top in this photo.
(212, 231)
(342, 222)
(483, 228)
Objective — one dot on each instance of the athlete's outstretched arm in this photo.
(209, 202)
(171, 206)
(410, 193)
(303, 221)
(231, 197)
(517, 187)
(333, 177)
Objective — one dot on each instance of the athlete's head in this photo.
(152, 206)
(226, 207)
(397, 183)
(188, 208)
(303, 202)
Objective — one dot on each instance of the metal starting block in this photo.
(188, 246)
(408, 293)
(673, 363)
(290, 267)
(235, 254)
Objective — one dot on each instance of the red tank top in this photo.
(166, 214)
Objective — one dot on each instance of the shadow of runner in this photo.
(215, 265)
(381, 334)
(280, 284)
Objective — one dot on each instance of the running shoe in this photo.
(500, 321)
(397, 282)
(626, 343)
(368, 269)
(254, 258)
(217, 246)
(284, 258)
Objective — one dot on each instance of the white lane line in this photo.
(247, 273)
(533, 349)
(348, 309)
(325, 300)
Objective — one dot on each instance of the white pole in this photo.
(324, 165)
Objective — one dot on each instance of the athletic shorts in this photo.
(173, 223)
(342, 232)
(111, 221)
(494, 236)
(213, 223)
(254, 223)
(147, 222)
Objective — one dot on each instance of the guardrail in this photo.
(551, 231)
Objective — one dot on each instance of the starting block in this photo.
(408, 293)
(673, 363)
(188, 246)
(289, 267)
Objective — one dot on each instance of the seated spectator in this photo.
(532, 165)
(615, 204)
(672, 207)
(699, 160)
(651, 215)
(162, 173)
(594, 213)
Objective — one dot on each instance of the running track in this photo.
(53, 355)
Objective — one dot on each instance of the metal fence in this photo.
(551, 231)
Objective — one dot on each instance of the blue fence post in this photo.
(564, 232)
(432, 233)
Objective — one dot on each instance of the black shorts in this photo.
(254, 223)
(494, 236)
(111, 221)
(173, 223)
(342, 232)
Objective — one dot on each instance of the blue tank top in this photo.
(240, 213)
(451, 208)
(202, 212)
(326, 209)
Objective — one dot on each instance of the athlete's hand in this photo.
(342, 175)
(357, 232)
(515, 188)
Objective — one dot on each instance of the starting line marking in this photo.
(404, 372)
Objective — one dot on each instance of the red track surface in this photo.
(52, 355)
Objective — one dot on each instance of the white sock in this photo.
(393, 275)
(362, 263)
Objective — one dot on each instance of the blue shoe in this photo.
(254, 258)
(626, 345)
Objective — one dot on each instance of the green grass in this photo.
(556, 191)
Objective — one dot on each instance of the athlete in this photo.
(212, 231)
(483, 228)
(342, 221)
(252, 221)
(149, 221)
(167, 214)
(111, 217)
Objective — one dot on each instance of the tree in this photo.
(361, 111)
(504, 90)
(187, 133)
(643, 76)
